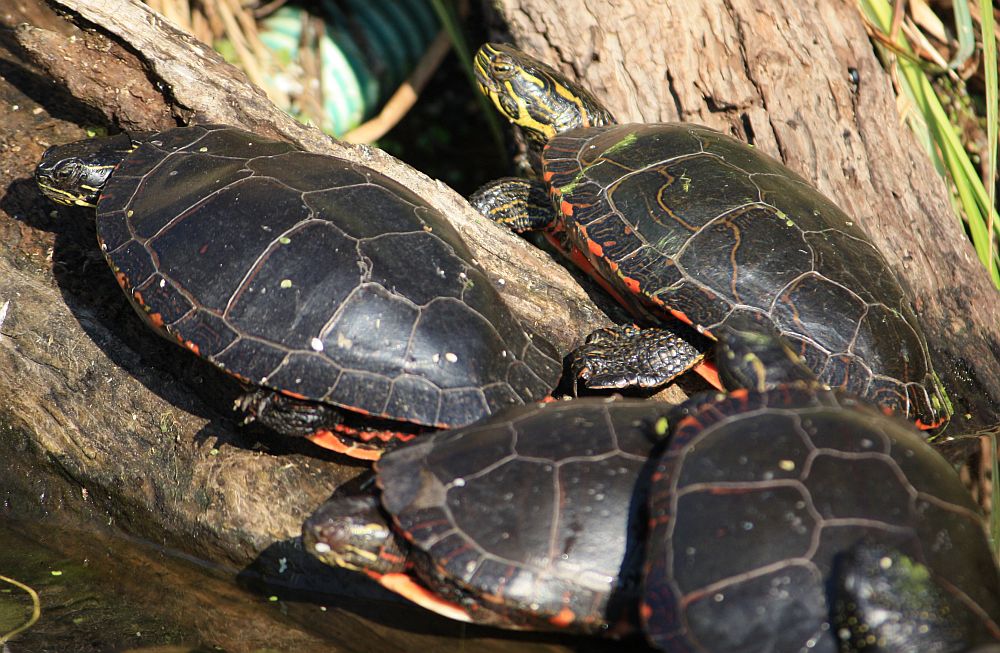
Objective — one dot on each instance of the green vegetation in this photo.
(930, 122)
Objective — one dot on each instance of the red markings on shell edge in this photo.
(708, 371)
(369, 435)
(595, 248)
(331, 441)
(380, 435)
(190, 345)
(407, 587)
(565, 208)
(922, 425)
(681, 316)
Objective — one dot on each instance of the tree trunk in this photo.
(777, 74)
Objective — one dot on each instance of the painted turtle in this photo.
(329, 289)
(683, 222)
(768, 507)
(535, 519)
(523, 521)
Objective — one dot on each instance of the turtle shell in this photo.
(527, 521)
(758, 495)
(314, 276)
(689, 222)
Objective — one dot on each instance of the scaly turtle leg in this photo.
(518, 204)
(627, 356)
(286, 415)
(320, 423)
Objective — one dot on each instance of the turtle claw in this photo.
(284, 414)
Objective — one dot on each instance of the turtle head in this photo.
(353, 532)
(752, 355)
(533, 96)
(75, 173)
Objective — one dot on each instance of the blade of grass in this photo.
(990, 74)
(974, 198)
(36, 610)
(966, 35)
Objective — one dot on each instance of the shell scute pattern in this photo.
(780, 500)
(314, 276)
(702, 224)
(554, 542)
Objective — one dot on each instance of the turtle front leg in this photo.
(628, 357)
(518, 204)
(287, 415)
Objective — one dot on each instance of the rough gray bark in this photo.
(777, 74)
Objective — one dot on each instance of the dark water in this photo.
(104, 592)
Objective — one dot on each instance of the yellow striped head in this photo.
(75, 173)
(352, 532)
(533, 96)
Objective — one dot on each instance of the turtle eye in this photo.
(502, 67)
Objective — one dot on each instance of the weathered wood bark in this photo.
(777, 74)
